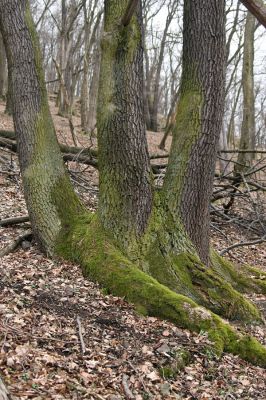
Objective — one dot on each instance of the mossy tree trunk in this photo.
(125, 245)
(125, 175)
(189, 177)
(45, 180)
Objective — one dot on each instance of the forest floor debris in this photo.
(61, 337)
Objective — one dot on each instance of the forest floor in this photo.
(62, 338)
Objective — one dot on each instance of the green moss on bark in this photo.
(244, 278)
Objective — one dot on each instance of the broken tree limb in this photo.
(15, 243)
(14, 220)
(257, 8)
(81, 159)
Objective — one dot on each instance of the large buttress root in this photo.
(102, 261)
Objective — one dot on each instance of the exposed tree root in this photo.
(102, 261)
(246, 279)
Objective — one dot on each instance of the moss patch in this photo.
(88, 244)
(244, 278)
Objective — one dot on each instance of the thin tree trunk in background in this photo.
(125, 176)
(93, 93)
(156, 96)
(3, 68)
(231, 125)
(247, 139)
(84, 93)
(9, 96)
(189, 177)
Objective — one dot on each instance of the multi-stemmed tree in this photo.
(152, 248)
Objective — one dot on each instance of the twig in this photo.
(128, 393)
(14, 220)
(13, 245)
(261, 240)
(82, 344)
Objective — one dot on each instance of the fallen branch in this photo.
(82, 344)
(234, 246)
(14, 220)
(4, 394)
(15, 243)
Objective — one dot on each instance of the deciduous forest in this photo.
(133, 212)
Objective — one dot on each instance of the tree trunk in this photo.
(3, 68)
(93, 93)
(84, 93)
(9, 95)
(247, 139)
(189, 177)
(45, 180)
(111, 246)
(125, 175)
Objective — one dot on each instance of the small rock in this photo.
(164, 348)
(26, 245)
(153, 376)
(165, 389)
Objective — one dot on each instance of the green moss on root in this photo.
(88, 244)
(245, 278)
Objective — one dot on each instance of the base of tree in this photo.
(88, 244)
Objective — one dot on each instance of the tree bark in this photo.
(125, 175)
(189, 177)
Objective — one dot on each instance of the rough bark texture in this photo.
(188, 181)
(125, 176)
(44, 176)
(247, 139)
